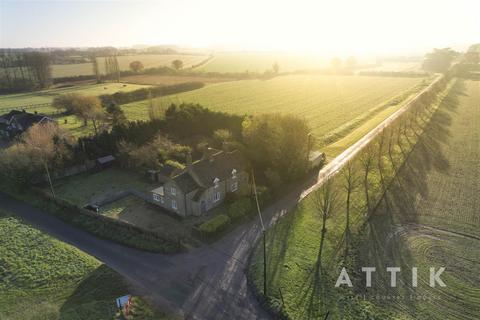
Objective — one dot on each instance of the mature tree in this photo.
(95, 68)
(276, 68)
(336, 63)
(67, 102)
(116, 115)
(277, 142)
(90, 108)
(84, 107)
(367, 160)
(350, 184)
(39, 64)
(42, 146)
(324, 202)
(177, 64)
(136, 66)
(153, 154)
(439, 60)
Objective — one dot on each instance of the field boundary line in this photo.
(336, 164)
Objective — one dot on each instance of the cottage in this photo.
(17, 122)
(203, 184)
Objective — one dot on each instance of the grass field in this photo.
(430, 219)
(12, 101)
(43, 278)
(148, 60)
(333, 105)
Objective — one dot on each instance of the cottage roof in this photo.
(25, 119)
(186, 182)
(220, 165)
(201, 174)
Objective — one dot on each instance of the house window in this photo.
(234, 173)
(156, 197)
(216, 196)
(234, 186)
(173, 191)
(174, 204)
(216, 182)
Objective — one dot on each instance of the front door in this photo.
(203, 207)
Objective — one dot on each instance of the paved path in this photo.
(205, 283)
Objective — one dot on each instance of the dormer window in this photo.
(216, 182)
(234, 173)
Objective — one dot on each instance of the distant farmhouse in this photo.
(17, 122)
(202, 185)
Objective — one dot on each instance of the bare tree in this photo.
(324, 201)
(367, 159)
(350, 183)
(43, 145)
(96, 70)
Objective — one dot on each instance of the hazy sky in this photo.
(336, 26)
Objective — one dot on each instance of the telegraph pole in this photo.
(264, 237)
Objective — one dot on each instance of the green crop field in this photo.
(429, 218)
(333, 105)
(148, 60)
(43, 278)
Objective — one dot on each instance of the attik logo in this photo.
(344, 279)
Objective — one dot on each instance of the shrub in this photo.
(240, 209)
(215, 225)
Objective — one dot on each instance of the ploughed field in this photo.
(431, 217)
(333, 105)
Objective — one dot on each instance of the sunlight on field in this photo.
(327, 102)
(260, 62)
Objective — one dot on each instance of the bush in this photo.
(215, 225)
(240, 209)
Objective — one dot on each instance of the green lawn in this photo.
(88, 187)
(43, 278)
(333, 105)
(293, 243)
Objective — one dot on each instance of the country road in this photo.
(205, 283)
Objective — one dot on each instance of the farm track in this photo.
(205, 283)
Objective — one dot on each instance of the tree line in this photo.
(24, 71)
